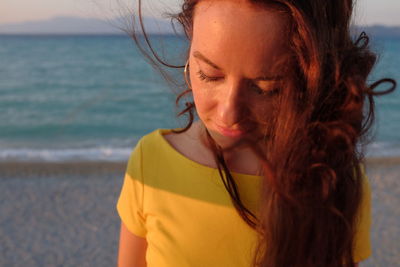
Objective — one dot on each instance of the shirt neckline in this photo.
(160, 134)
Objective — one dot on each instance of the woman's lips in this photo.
(229, 132)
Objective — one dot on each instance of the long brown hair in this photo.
(311, 191)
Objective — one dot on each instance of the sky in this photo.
(368, 12)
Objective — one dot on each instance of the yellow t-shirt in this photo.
(184, 211)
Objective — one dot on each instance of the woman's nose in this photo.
(230, 106)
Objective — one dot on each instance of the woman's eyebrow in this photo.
(200, 56)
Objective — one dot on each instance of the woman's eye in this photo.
(206, 78)
(266, 92)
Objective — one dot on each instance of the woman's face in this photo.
(234, 47)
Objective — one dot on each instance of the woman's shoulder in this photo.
(148, 150)
(153, 138)
(166, 141)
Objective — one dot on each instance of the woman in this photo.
(270, 174)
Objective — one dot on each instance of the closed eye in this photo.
(270, 92)
(206, 78)
(264, 92)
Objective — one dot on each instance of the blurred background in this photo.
(76, 95)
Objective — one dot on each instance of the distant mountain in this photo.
(380, 30)
(76, 25)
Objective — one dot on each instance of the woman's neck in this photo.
(240, 159)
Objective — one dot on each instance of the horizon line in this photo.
(156, 18)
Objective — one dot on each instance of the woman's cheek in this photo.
(200, 101)
(205, 98)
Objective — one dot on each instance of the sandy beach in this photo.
(63, 214)
(59, 214)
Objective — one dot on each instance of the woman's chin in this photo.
(224, 141)
(226, 138)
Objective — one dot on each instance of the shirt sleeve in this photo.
(130, 202)
(362, 237)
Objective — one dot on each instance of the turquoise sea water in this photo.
(92, 97)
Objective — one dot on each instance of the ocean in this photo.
(91, 98)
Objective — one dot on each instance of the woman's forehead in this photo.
(239, 13)
(236, 33)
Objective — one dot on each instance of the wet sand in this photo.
(63, 214)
